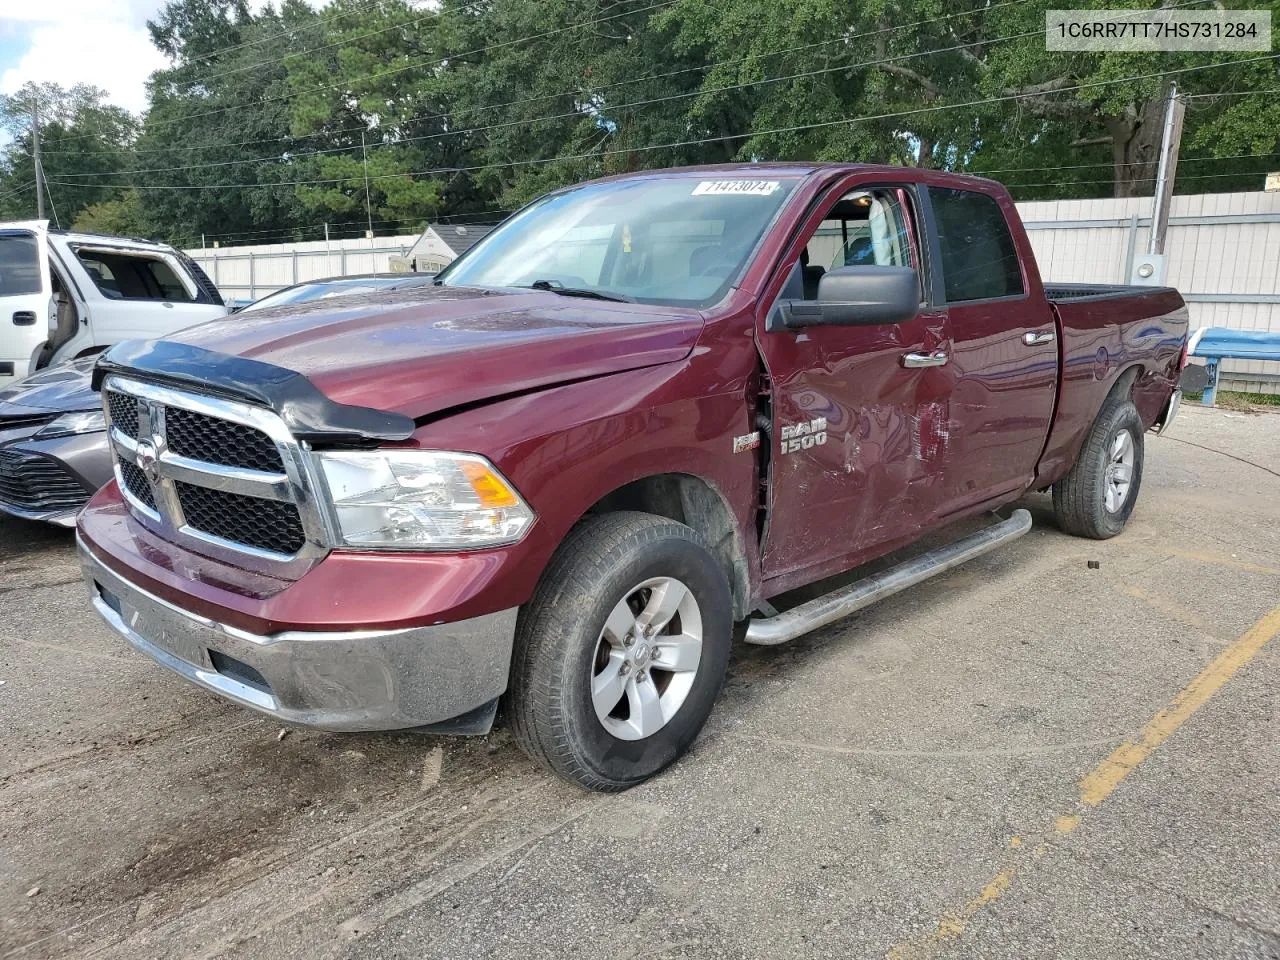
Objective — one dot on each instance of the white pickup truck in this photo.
(66, 295)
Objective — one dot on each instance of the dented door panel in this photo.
(859, 440)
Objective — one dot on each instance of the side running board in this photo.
(840, 603)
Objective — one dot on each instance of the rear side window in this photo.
(123, 276)
(979, 261)
(19, 265)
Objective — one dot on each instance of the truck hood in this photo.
(422, 350)
(61, 389)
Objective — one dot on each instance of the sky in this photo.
(102, 42)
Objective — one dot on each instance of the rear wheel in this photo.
(622, 651)
(1096, 498)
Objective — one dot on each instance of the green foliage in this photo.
(86, 142)
(121, 217)
(472, 109)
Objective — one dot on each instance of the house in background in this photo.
(439, 245)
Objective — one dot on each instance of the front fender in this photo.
(567, 447)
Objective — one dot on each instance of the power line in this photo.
(1228, 93)
(14, 191)
(1129, 163)
(423, 63)
(797, 128)
(302, 53)
(1194, 176)
(845, 39)
(583, 115)
(356, 8)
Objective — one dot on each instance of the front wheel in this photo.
(1097, 496)
(622, 651)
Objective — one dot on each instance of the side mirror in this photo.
(858, 296)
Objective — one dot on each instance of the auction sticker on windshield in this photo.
(739, 188)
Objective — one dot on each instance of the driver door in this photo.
(860, 413)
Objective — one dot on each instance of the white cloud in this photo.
(82, 41)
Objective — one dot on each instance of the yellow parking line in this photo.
(1103, 780)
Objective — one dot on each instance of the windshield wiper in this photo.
(555, 286)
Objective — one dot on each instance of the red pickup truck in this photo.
(612, 430)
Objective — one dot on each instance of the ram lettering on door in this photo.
(803, 436)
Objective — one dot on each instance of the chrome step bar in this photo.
(841, 603)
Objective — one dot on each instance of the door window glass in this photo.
(979, 261)
(19, 265)
(863, 228)
(123, 276)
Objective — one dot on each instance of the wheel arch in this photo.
(697, 503)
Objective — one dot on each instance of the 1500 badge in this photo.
(802, 436)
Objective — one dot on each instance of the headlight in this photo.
(423, 499)
(82, 421)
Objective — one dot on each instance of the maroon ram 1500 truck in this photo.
(614, 428)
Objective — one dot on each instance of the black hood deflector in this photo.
(308, 413)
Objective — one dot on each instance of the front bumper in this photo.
(344, 681)
(51, 480)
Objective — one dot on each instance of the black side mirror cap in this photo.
(849, 296)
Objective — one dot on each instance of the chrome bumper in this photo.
(1170, 411)
(359, 680)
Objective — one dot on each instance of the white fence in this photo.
(1223, 251)
(246, 273)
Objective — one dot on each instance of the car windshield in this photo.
(678, 240)
(327, 288)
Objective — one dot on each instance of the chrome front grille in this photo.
(230, 444)
(123, 411)
(225, 478)
(264, 524)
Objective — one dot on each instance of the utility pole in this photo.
(35, 156)
(1172, 139)
(1152, 268)
(368, 207)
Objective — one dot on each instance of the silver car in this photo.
(53, 444)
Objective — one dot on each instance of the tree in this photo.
(86, 143)
(215, 154)
(120, 217)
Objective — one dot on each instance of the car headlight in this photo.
(82, 421)
(421, 499)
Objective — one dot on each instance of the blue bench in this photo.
(1215, 344)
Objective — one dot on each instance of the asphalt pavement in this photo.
(1024, 758)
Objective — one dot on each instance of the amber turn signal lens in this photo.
(488, 485)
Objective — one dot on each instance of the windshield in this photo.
(679, 240)
(322, 289)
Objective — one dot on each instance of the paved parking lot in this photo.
(1024, 758)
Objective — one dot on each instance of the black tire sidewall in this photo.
(1122, 416)
(630, 761)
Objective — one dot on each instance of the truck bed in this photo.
(1104, 330)
(1062, 292)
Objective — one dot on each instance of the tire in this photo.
(571, 641)
(1089, 501)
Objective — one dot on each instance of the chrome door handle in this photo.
(917, 360)
(914, 360)
(1037, 337)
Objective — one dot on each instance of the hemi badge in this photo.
(749, 442)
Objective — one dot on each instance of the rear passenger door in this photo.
(1004, 352)
(142, 296)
